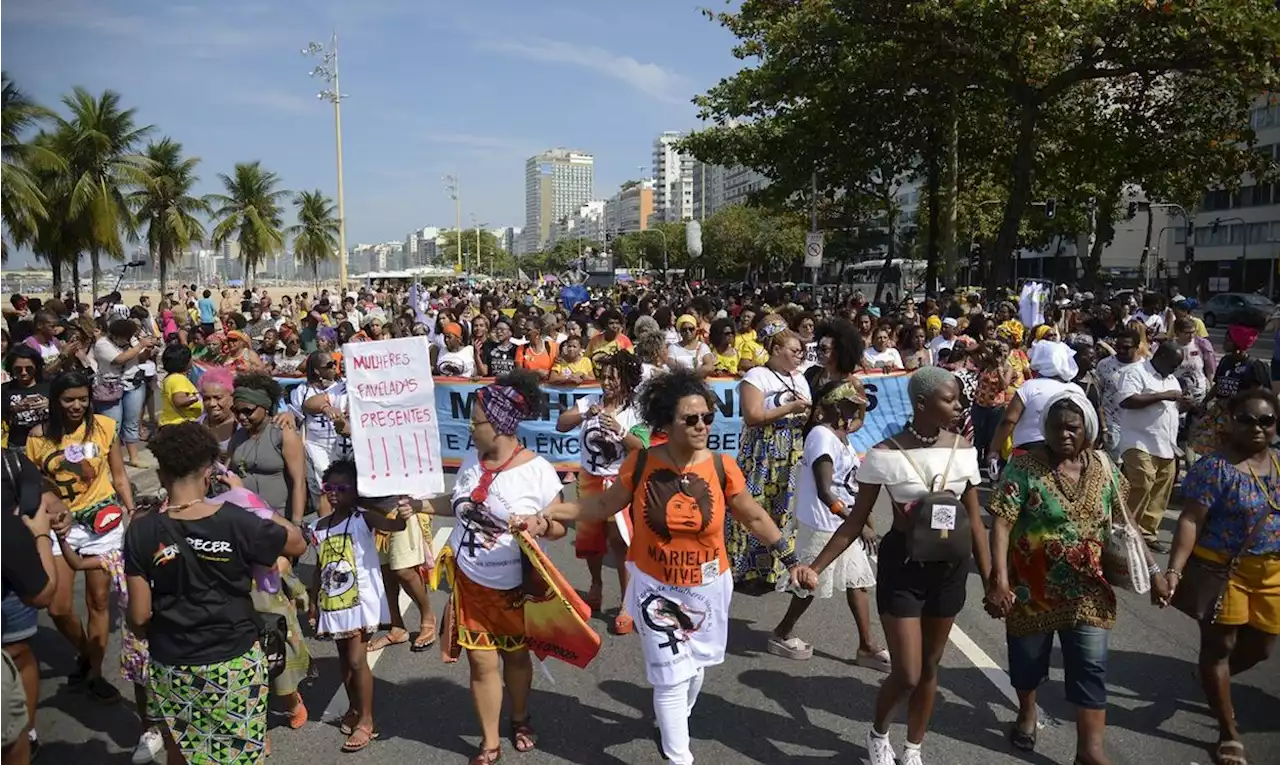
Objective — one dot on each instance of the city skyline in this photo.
(229, 84)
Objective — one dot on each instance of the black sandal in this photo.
(1022, 740)
(523, 738)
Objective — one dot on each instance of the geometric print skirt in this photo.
(216, 713)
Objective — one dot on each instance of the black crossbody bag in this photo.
(273, 632)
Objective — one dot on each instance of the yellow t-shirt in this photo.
(750, 349)
(726, 363)
(582, 367)
(170, 414)
(78, 467)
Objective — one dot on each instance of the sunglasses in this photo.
(1262, 420)
(691, 420)
(337, 488)
(244, 411)
(331, 365)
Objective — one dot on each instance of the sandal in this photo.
(384, 641)
(1022, 740)
(424, 640)
(486, 756)
(352, 744)
(791, 648)
(298, 715)
(1229, 752)
(522, 735)
(623, 624)
(347, 723)
(877, 660)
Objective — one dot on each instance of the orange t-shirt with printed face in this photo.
(678, 519)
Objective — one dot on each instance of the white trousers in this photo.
(672, 705)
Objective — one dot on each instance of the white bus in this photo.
(906, 277)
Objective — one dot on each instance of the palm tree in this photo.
(251, 211)
(315, 237)
(165, 204)
(98, 142)
(22, 203)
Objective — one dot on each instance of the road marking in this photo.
(992, 671)
(339, 703)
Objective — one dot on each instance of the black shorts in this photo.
(908, 589)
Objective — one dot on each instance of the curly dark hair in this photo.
(263, 382)
(629, 371)
(526, 383)
(661, 396)
(175, 359)
(183, 449)
(847, 348)
(340, 467)
(717, 330)
(1265, 395)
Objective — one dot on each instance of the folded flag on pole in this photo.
(555, 617)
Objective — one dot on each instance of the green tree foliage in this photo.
(316, 234)
(492, 258)
(163, 202)
(22, 202)
(250, 211)
(1058, 97)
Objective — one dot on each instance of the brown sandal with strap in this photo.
(487, 756)
(522, 735)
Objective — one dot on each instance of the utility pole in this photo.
(327, 70)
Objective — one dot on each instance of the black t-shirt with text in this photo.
(201, 612)
(500, 359)
(23, 409)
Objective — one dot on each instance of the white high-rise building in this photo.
(557, 183)
(673, 179)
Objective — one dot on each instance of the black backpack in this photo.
(940, 531)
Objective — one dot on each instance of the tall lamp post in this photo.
(327, 70)
(476, 222)
(452, 186)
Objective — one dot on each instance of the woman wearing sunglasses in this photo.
(497, 482)
(679, 584)
(775, 406)
(1232, 512)
(268, 458)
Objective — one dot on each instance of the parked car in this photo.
(1238, 308)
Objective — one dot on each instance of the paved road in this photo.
(756, 708)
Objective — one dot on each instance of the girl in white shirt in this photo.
(825, 492)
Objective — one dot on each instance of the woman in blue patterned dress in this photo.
(775, 407)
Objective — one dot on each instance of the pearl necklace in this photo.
(926, 440)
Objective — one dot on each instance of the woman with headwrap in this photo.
(1055, 367)
(498, 481)
(455, 359)
(1053, 508)
(238, 353)
(1237, 372)
(775, 407)
(1010, 332)
(269, 459)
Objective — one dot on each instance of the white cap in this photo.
(950, 322)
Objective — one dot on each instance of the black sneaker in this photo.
(80, 674)
(102, 691)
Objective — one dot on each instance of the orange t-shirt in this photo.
(678, 535)
(537, 362)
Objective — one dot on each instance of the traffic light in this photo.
(1133, 210)
(1050, 207)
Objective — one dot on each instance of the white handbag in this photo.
(1124, 558)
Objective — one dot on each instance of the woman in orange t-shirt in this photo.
(680, 582)
(539, 353)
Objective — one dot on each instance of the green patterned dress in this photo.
(1055, 547)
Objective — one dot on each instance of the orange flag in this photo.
(555, 618)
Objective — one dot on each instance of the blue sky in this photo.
(471, 88)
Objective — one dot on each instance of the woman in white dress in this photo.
(923, 567)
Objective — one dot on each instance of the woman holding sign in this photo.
(680, 583)
(609, 429)
(497, 482)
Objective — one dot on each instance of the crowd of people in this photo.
(1079, 415)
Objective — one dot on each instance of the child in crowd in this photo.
(348, 592)
(180, 401)
(571, 367)
(134, 655)
(825, 491)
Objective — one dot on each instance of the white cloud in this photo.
(650, 79)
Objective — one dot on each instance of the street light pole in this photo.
(327, 70)
(455, 193)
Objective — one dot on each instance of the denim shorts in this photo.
(19, 620)
(1084, 659)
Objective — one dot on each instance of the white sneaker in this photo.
(150, 746)
(912, 757)
(879, 750)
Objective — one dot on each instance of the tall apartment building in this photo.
(673, 179)
(630, 209)
(715, 187)
(557, 183)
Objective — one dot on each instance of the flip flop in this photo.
(1229, 752)
(419, 646)
(623, 624)
(384, 641)
(371, 735)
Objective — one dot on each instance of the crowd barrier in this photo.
(889, 409)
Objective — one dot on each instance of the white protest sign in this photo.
(394, 426)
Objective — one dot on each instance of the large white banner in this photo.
(394, 425)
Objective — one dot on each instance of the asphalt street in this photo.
(755, 708)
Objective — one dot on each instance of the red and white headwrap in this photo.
(1242, 337)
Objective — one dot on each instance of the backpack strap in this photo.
(641, 457)
(717, 460)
